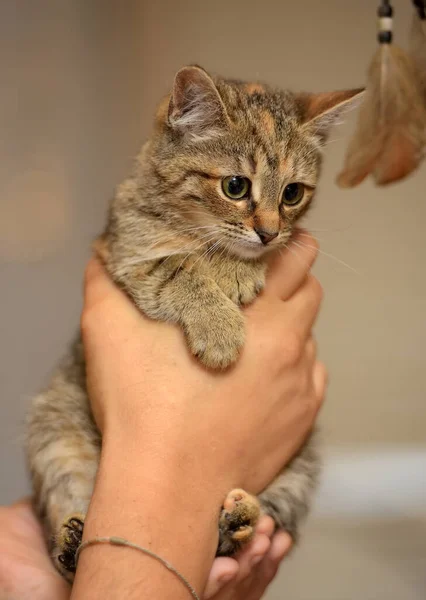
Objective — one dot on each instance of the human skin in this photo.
(177, 438)
(27, 572)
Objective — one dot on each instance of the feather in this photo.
(391, 130)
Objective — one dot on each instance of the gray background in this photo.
(79, 85)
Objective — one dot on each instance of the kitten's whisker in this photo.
(206, 251)
(213, 249)
(207, 238)
(176, 251)
(209, 250)
(174, 234)
(227, 247)
(310, 236)
(148, 257)
(162, 240)
(299, 258)
(338, 229)
(194, 250)
(230, 246)
(333, 141)
(338, 260)
(209, 234)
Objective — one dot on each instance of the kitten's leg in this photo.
(63, 471)
(63, 448)
(172, 291)
(287, 500)
(240, 281)
(237, 522)
(67, 543)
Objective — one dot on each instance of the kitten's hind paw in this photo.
(237, 522)
(69, 539)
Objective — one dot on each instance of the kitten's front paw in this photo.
(244, 283)
(216, 340)
(69, 539)
(237, 522)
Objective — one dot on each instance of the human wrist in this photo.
(153, 505)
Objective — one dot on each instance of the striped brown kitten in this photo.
(227, 173)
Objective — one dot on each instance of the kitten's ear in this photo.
(321, 111)
(195, 105)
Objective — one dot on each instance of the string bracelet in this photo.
(118, 541)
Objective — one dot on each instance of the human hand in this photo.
(142, 378)
(27, 572)
(247, 576)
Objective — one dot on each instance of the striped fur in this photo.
(186, 253)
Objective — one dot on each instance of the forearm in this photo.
(154, 503)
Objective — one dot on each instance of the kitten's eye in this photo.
(236, 187)
(293, 193)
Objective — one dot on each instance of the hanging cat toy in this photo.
(390, 136)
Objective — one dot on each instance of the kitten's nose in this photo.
(266, 236)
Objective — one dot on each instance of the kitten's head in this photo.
(237, 164)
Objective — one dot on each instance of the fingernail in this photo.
(256, 560)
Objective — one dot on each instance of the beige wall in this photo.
(79, 83)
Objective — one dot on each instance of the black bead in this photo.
(385, 10)
(384, 37)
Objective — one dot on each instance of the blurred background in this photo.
(79, 83)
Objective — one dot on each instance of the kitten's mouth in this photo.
(251, 248)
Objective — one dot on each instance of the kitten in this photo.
(228, 172)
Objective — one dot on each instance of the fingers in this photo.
(288, 270)
(311, 351)
(268, 568)
(222, 572)
(252, 555)
(266, 525)
(318, 376)
(226, 570)
(97, 284)
(298, 314)
(105, 303)
(280, 547)
(254, 577)
(23, 503)
(20, 526)
(22, 509)
(320, 379)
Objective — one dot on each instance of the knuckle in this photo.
(323, 377)
(314, 245)
(308, 408)
(90, 273)
(316, 289)
(292, 347)
(86, 320)
(311, 248)
(311, 347)
(309, 402)
(270, 571)
(95, 313)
